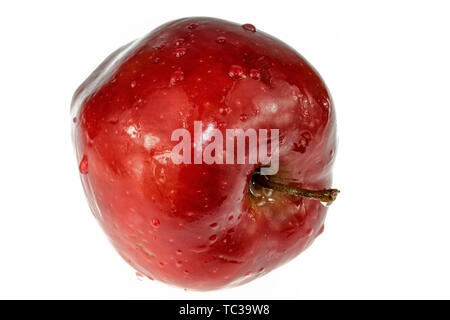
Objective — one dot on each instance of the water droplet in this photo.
(213, 225)
(236, 72)
(157, 60)
(193, 26)
(179, 264)
(224, 110)
(249, 27)
(213, 238)
(261, 203)
(248, 273)
(179, 52)
(74, 119)
(84, 165)
(309, 232)
(176, 77)
(132, 131)
(243, 117)
(179, 252)
(221, 39)
(230, 218)
(133, 84)
(255, 74)
(307, 135)
(113, 119)
(161, 264)
(179, 42)
(261, 270)
(156, 222)
(302, 143)
(140, 276)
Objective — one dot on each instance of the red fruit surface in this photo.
(202, 226)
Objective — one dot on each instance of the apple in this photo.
(202, 225)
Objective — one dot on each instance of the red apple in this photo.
(204, 226)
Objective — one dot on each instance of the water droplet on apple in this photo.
(156, 222)
(309, 232)
(193, 26)
(113, 119)
(162, 176)
(200, 249)
(179, 52)
(74, 119)
(221, 124)
(255, 74)
(179, 42)
(176, 77)
(301, 145)
(307, 136)
(133, 84)
(261, 270)
(84, 165)
(236, 72)
(213, 238)
(179, 252)
(243, 117)
(224, 110)
(221, 39)
(213, 225)
(249, 27)
(132, 131)
(261, 203)
(179, 264)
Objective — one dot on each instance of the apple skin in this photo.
(198, 226)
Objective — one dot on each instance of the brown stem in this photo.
(327, 195)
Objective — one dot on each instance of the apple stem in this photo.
(327, 195)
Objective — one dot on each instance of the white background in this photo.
(387, 66)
